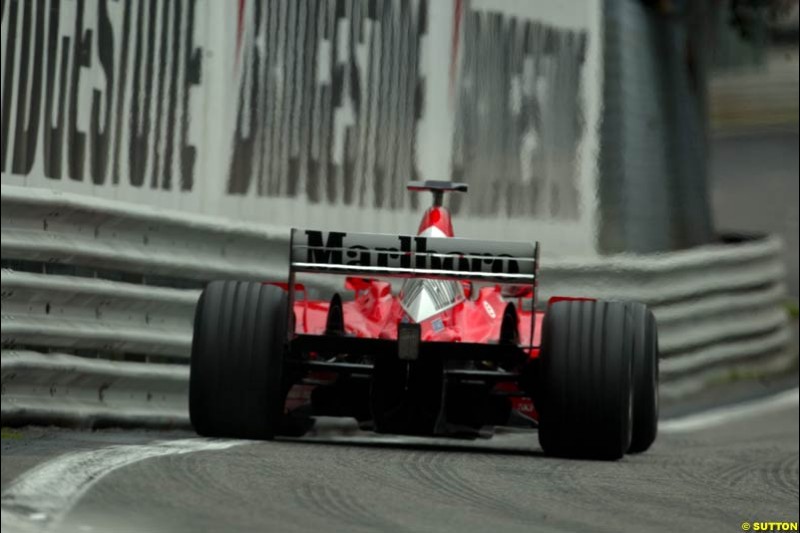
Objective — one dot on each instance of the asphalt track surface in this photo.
(709, 471)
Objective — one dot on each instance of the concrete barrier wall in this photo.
(310, 113)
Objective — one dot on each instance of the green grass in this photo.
(792, 309)
(735, 375)
(11, 434)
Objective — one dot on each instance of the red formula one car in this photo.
(433, 335)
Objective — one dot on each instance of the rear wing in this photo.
(407, 256)
(403, 256)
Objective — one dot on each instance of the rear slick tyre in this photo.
(585, 393)
(236, 384)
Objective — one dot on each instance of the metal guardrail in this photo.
(68, 312)
(69, 390)
(719, 307)
(55, 227)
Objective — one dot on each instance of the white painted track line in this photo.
(40, 498)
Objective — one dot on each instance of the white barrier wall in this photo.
(312, 113)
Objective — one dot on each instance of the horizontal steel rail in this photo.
(719, 308)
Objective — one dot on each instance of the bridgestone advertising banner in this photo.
(310, 112)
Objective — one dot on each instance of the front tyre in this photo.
(585, 393)
(236, 384)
